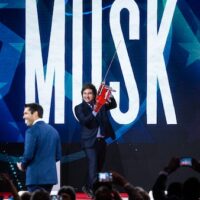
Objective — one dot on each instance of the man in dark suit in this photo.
(42, 150)
(95, 128)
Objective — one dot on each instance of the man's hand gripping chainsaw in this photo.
(103, 96)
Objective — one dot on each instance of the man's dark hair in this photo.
(191, 189)
(175, 189)
(33, 107)
(105, 193)
(40, 195)
(89, 86)
(25, 196)
(67, 190)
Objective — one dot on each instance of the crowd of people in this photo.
(42, 150)
(187, 190)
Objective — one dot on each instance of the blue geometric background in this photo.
(182, 59)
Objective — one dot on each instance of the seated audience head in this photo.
(105, 193)
(67, 193)
(25, 196)
(142, 193)
(191, 189)
(40, 195)
(174, 189)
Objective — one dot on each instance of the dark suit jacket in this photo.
(90, 123)
(42, 150)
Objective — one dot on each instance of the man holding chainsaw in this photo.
(95, 128)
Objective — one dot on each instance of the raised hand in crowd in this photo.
(5, 177)
(134, 193)
(172, 166)
(195, 165)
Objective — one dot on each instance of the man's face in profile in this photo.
(28, 116)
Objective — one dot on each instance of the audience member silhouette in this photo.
(174, 191)
(106, 193)
(26, 196)
(11, 187)
(105, 190)
(142, 192)
(67, 193)
(189, 190)
(40, 195)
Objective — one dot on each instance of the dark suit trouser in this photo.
(95, 158)
(100, 147)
